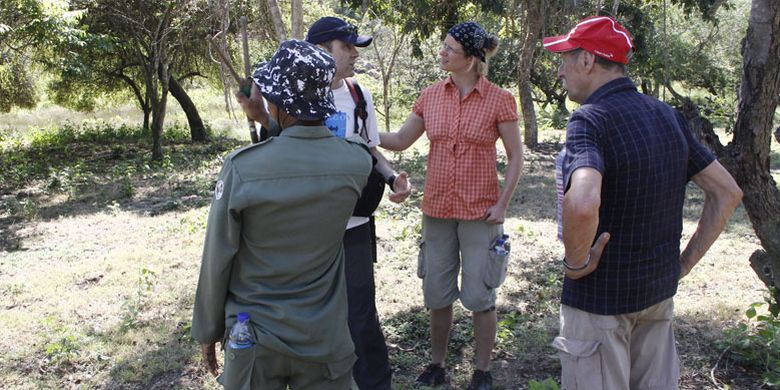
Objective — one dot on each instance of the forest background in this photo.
(105, 181)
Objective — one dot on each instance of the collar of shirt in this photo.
(306, 132)
(480, 87)
(617, 85)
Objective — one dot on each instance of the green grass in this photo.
(100, 252)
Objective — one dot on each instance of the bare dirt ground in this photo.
(97, 281)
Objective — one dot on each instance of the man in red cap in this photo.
(621, 185)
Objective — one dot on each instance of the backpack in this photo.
(375, 187)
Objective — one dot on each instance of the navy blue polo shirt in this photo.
(646, 155)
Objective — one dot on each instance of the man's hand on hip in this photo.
(594, 258)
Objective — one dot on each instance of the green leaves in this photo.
(751, 312)
(756, 344)
(16, 84)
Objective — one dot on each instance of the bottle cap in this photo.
(242, 317)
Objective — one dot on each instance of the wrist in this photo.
(503, 203)
(390, 180)
(576, 268)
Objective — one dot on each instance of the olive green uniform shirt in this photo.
(273, 243)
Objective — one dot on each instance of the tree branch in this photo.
(699, 125)
(132, 85)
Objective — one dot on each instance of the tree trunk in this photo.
(387, 66)
(147, 113)
(534, 12)
(158, 121)
(158, 76)
(296, 19)
(753, 129)
(197, 130)
(158, 102)
(530, 129)
(747, 157)
(276, 16)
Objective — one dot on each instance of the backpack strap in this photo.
(360, 107)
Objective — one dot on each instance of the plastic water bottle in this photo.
(501, 246)
(241, 334)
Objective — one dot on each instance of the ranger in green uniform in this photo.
(273, 242)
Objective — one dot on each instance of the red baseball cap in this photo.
(600, 35)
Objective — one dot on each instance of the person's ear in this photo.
(588, 60)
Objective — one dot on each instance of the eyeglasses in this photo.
(450, 49)
(349, 29)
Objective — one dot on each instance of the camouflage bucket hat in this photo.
(297, 79)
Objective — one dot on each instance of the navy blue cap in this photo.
(330, 28)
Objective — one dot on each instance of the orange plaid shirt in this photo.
(462, 180)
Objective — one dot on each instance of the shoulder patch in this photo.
(219, 189)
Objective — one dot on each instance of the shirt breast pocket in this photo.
(437, 126)
(479, 130)
(478, 127)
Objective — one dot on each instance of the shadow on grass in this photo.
(170, 361)
(86, 357)
(82, 179)
(704, 363)
(535, 196)
(409, 346)
(527, 324)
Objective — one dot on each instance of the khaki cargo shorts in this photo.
(628, 351)
(448, 242)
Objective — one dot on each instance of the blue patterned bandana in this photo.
(297, 79)
(472, 37)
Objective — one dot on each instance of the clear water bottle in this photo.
(241, 333)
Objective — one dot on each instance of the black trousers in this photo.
(372, 369)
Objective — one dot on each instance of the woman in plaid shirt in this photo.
(463, 206)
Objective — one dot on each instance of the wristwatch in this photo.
(390, 180)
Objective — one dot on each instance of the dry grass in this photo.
(96, 287)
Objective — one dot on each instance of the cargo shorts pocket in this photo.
(498, 261)
(421, 261)
(237, 373)
(580, 364)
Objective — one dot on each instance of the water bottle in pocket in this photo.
(498, 258)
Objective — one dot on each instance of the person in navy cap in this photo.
(621, 186)
(273, 240)
(341, 39)
(330, 27)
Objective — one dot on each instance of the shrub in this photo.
(547, 384)
(756, 344)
